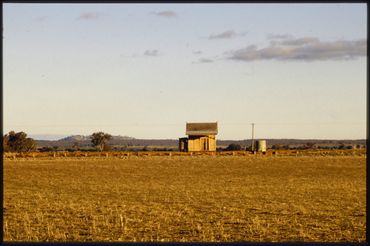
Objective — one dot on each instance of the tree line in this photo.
(19, 142)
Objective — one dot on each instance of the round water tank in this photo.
(261, 145)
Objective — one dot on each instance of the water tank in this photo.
(261, 146)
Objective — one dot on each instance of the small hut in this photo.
(201, 137)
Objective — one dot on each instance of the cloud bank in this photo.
(167, 13)
(302, 49)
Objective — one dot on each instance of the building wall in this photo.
(194, 143)
(183, 144)
(212, 143)
(202, 143)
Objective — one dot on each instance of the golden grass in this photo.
(186, 199)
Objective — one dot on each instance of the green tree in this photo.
(19, 142)
(100, 140)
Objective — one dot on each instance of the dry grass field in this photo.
(186, 198)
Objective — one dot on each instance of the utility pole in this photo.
(252, 137)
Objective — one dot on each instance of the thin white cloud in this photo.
(167, 13)
(279, 36)
(151, 53)
(303, 49)
(205, 60)
(225, 35)
(89, 16)
(198, 52)
(300, 41)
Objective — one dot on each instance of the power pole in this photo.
(252, 137)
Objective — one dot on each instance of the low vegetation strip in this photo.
(313, 152)
(185, 199)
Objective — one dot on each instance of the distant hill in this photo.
(75, 138)
(283, 141)
(46, 136)
(81, 138)
(125, 141)
(83, 141)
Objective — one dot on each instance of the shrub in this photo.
(233, 147)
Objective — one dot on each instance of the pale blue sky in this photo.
(144, 70)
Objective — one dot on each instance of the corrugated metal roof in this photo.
(206, 128)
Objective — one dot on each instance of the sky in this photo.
(144, 70)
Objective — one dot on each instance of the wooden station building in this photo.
(201, 137)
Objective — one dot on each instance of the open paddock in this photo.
(186, 198)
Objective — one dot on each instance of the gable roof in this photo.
(206, 128)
